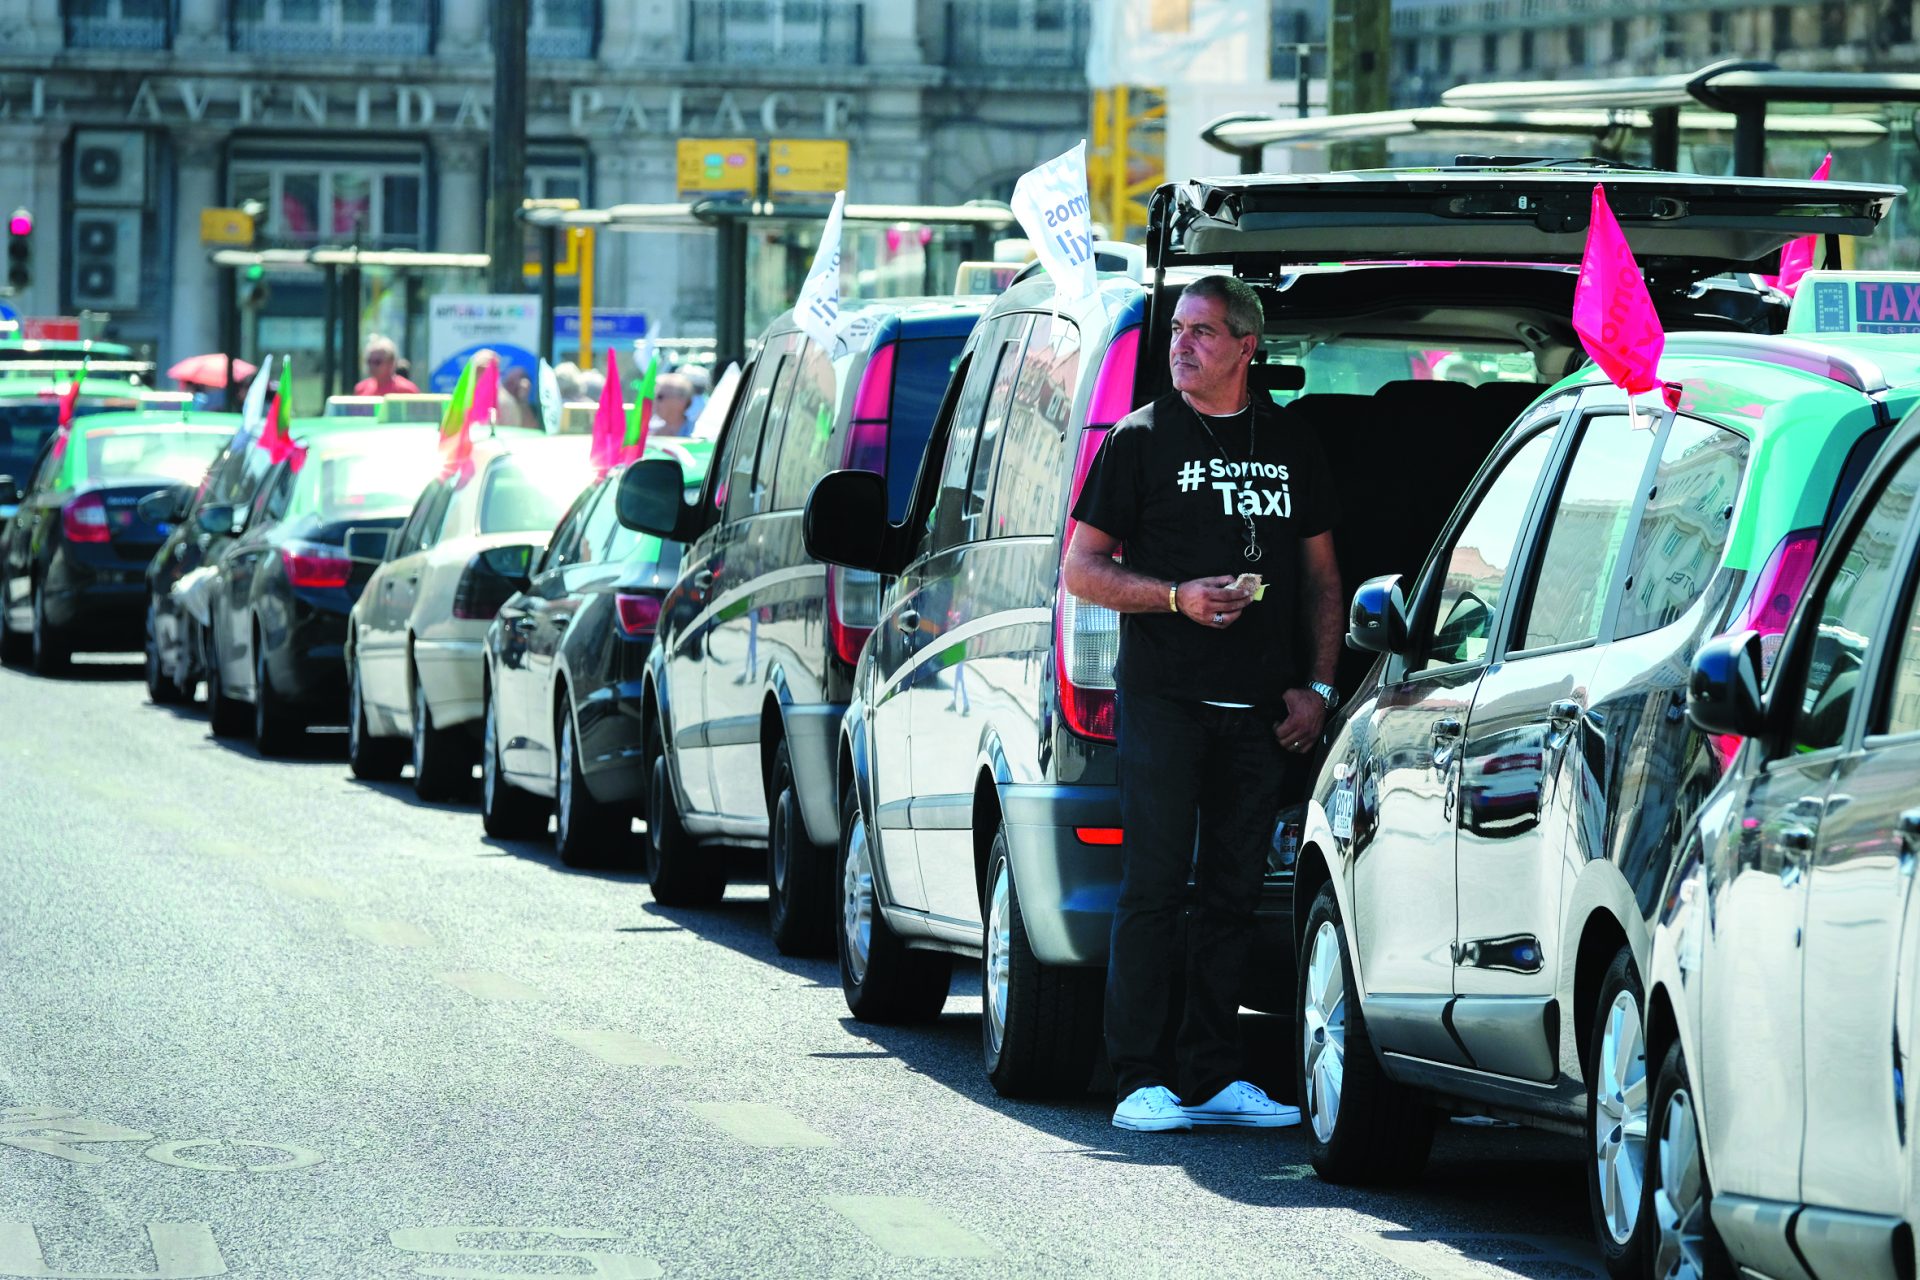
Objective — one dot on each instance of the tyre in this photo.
(51, 650)
(1363, 1127)
(1617, 1110)
(678, 873)
(226, 716)
(1040, 1024)
(882, 980)
(507, 812)
(586, 833)
(799, 873)
(1682, 1242)
(162, 689)
(371, 759)
(16, 650)
(442, 758)
(276, 725)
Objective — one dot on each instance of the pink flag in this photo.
(1796, 259)
(486, 395)
(609, 419)
(1612, 311)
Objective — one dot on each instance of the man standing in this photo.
(672, 396)
(383, 375)
(1199, 488)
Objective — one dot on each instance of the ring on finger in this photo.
(1218, 618)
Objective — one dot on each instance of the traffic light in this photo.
(20, 249)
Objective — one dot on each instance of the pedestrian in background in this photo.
(672, 399)
(516, 407)
(383, 373)
(1204, 488)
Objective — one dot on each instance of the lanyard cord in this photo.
(1254, 550)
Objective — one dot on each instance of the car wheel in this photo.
(882, 980)
(679, 874)
(1040, 1024)
(51, 652)
(16, 650)
(276, 726)
(799, 872)
(1617, 1110)
(162, 689)
(371, 759)
(226, 716)
(442, 761)
(1682, 1239)
(507, 812)
(586, 833)
(1364, 1128)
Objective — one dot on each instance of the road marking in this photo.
(308, 887)
(909, 1227)
(52, 1131)
(169, 1153)
(760, 1124)
(622, 1048)
(391, 933)
(181, 1250)
(485, 985)
(566, 1244)
(1480, 1256)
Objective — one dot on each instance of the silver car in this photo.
(416, 638)
(1785, 965)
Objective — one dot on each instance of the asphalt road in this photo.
(259, 1019)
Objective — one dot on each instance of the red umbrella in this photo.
(209, 370)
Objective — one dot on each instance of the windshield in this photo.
(529, 491)
(176, 453)
(1362, 367)
(353, 480)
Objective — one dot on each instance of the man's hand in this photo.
(1212, 602)
(1306, 717)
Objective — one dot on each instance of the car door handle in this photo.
(1797, 839)
(521, 625)
(907, 621)
(1446, 727)
(703, 580)
(1565, 709)
(561, 620)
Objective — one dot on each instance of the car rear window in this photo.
(176, 453)
(352, 483)
(1363, 366)
(528, 493)
(921, 369)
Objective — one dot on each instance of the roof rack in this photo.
(1854, 371)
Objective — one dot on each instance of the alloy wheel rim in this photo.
(1324, 1030)
(1620, 1116)
(419, 731)
(1680, 1199)
(564, 816)
(999, 956)
(858, 895)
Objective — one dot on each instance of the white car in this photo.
(416, 638)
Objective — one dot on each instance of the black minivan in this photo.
(752, 666)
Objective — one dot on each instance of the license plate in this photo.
(1342, 815)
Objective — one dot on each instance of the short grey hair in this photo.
(380, 342)
(1245, 315)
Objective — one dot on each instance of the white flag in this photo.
(253, 410)
(1052, 204)
(817, 311)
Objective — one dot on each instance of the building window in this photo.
(1410, 56)
(117, 24)
(1443, 55)
(776, 32)
(1717, 29)
(1619, 40)
(1833, 23)
(987, 34)
(562, 28)
(401, 28)
(1489, 52)
(1577, 46)
(1782, 27)
(1526, 50)
(319, 196)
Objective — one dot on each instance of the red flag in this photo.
(69, 400)
(1796, 259)
(486, 396)
(1612, 310)
(609, 419)
(277, 435)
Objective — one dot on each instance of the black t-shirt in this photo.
(1174, 496)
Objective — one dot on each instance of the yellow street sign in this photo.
(225, 226)
(806, 167)
(719, 167)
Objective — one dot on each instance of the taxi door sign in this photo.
(713, 167)
(1857, 302)
(806, 167)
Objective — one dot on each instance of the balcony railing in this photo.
(563, 28)
(1020, 35)
(117, 24)
(370, 28)
(777, 32)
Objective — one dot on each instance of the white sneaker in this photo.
(1242, 1104)
(1153, 1109)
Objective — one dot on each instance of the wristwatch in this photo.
(1328, 694)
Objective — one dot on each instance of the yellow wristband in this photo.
(1173, 598)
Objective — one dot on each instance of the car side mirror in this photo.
(1724, 690)
(164, 506)
(369, 546)
(221, 519)
(846, 521)
(651, 498)
(1378, 621)
(512, 563)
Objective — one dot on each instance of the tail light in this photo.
(853, 595)
(315, 566)
(482, 590)
(1087, 636)
(639, 614)
(853, 606)
(85, 519)
(1782, 581)
(1099, 835)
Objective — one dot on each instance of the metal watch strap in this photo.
(1328, 694)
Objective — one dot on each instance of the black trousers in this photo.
(1188, 770)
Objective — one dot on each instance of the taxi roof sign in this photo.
(1856, 302)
